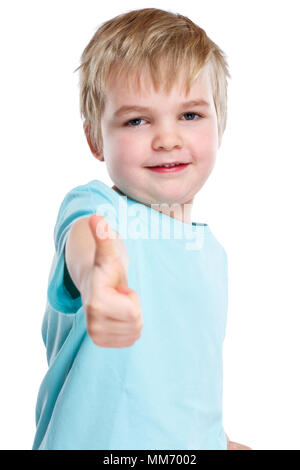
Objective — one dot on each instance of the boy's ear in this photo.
(97, 154)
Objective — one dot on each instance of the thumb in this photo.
(104, 236)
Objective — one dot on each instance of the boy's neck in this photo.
(183, 213)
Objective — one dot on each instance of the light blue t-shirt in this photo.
(165, 391)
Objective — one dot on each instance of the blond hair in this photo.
(160, 41)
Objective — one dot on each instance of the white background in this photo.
(250, 201)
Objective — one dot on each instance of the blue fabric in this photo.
(165, 391)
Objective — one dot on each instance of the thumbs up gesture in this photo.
(113, 311)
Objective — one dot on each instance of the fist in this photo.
(113, 311)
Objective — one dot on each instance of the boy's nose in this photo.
(167, 142)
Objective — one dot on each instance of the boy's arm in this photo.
(112, 309)
(80, 251)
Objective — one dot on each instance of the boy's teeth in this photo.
(173, 164)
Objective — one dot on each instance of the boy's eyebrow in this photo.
(126, 108)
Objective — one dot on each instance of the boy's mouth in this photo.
(167, 164)
(168, 168)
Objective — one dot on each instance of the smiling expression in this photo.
(165, 130)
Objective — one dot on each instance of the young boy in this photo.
(137, 295)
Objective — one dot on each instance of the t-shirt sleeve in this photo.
(62, 294)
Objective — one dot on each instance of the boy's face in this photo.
(168, 131)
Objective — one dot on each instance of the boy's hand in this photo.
(235, 445)
(113, 311)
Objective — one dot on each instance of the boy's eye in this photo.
(128, 123)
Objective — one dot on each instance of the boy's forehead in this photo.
(125, 90)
